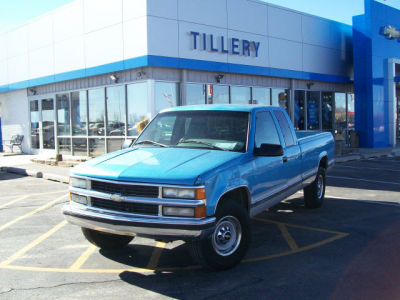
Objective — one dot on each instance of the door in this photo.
(268, 178)
(42, 124)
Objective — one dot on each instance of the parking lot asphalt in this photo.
(348, 249)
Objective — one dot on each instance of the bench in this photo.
(16, 140)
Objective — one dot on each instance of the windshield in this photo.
(218, 130)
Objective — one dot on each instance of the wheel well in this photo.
(240, 195)
(324, 162)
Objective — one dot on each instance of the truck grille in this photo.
(127, 207)
(125, 189)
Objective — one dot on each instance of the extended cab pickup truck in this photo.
(198, 174)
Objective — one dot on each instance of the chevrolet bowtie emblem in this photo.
(117, 197)
(391, 32)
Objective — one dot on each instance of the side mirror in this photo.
(127, 143)
(268, 150)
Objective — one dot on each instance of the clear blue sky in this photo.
(16, 12)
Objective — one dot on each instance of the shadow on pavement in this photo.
(361, 265)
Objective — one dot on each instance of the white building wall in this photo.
(15, 117)
(78, 36)
(88, 34)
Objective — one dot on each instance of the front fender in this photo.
(221, 183)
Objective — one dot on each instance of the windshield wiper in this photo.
(209, 145)
(150, 142)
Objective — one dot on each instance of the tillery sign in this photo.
(221, 44)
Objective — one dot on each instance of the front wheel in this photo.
(106, 241)
(315, 192)
(229, 241)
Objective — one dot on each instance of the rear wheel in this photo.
(314, 193)
(229, 242)
(106, 241)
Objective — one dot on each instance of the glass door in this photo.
(35, 121)
(42, 124)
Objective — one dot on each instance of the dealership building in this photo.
(77, 80)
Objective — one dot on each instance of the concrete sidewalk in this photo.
(22, 163)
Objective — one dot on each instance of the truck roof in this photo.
(220, 107)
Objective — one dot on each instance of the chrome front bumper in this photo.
(148, 226)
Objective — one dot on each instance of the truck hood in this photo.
(155, 165)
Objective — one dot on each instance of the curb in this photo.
(36, 174)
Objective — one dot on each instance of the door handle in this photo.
(284, 159)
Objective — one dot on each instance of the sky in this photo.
(15, 12)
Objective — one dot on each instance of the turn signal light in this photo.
(200, 212)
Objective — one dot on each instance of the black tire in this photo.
(106, 241)
(315, 192)
(229, 242)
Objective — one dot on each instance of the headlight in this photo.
(179, 193)
(78, 183)
(79, 199)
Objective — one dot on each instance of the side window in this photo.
(285, 127)
(266, 132)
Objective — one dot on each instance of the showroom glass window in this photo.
(48, 123)
(350, 110)
(79, 123)
(261, 96)
(240, 95)
(313, 110)
(138, 106)
(165, 95)
(327, 110)
(340, 112)
(217, 94)
(116, 112)
(195, 93)
(299, 109)
(35, 119)
(79, 113)
(63, 115)
(280, 97)
(96, 112)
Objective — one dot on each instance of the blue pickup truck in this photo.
(198, 174)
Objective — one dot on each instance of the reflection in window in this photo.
(64, 146)
(280, 97)
(138, 106)
(34, 109)
(63, 114)
(97, 112)
(79, 146)
(240, 95)
(217, 94)
(114, 144)
(195, 93)
(262, 96)
(299, 109)
(116, 111)
(313, 110)
(48, 123)
(266, 132)
(350, 110)
(327, 110)
(79, 113)
(96, 147)
(340, 111)
(165, 95)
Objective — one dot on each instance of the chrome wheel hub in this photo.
(227, 236)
